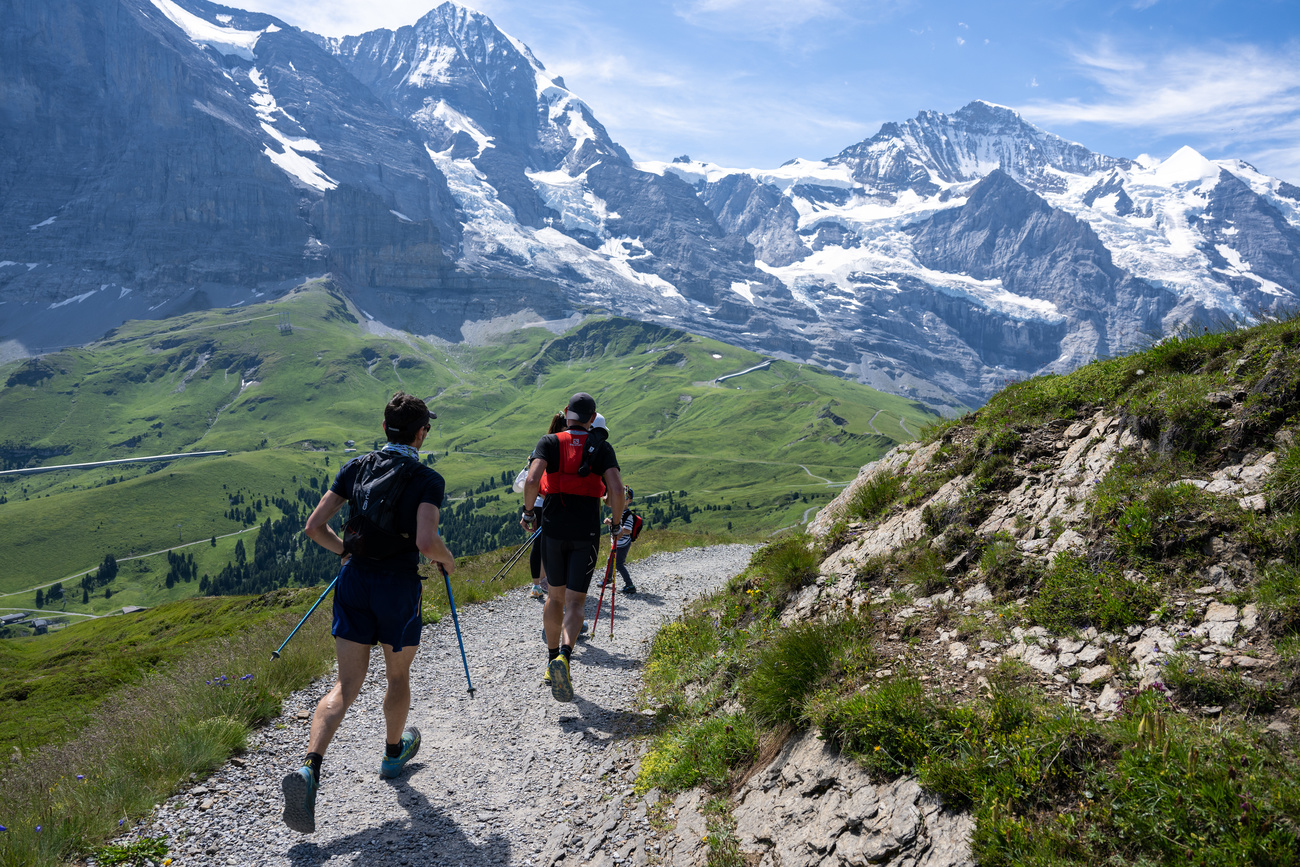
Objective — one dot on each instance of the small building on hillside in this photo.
(40, 627)
(133, 609)
(7, 619)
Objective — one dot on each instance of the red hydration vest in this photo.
(566, 480)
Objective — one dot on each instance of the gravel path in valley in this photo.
(509, 777)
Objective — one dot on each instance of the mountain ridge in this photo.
(449, 182)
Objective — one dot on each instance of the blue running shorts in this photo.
(373, 605)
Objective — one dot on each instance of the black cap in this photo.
(582, 405)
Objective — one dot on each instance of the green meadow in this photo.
(748, 456)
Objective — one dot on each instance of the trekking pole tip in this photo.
(275, 654)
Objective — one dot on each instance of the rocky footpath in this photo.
(508, 777)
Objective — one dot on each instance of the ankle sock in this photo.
(313, 761)
(566, 651)
(551, 654)
(393, 750)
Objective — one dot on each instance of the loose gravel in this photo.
(508, 777)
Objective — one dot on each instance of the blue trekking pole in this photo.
(456, 622)
(275, 654)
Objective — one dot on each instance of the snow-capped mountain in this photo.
(543, 190)
(970, 249)
(163, 155)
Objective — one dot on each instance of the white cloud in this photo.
(1237, 87)
(961, 41)
(777, 19)
(1234, 100)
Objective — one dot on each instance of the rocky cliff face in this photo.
(161, 157)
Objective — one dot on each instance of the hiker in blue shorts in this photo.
(395, 503)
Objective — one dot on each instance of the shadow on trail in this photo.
(429, 836)
(645, 596)
(595, 655)
(592, 719)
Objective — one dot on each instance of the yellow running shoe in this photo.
(561, 685)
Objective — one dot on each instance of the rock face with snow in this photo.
(955, 253)
(168, 155)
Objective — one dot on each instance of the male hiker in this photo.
(570, 527)
(394, 506)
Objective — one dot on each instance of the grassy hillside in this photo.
(1073, 615)
(748, 456)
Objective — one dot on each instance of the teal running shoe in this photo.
(390, 768)
(300, 800)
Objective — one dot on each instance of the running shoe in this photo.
(537, 592)
(629, 588)
(546, 674)
(391, 767)
(561, 685)
(300, 800)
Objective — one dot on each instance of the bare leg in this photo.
(397, 699)
(575, 604)
(553, 616)
(354, 660)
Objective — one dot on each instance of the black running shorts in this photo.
(569, 564)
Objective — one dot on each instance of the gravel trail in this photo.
(509, 777)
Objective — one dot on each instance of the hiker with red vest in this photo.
(572, 470)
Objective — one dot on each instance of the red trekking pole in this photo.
(613, 589)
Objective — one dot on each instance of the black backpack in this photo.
(371, 529)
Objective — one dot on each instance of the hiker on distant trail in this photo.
(631, 522)
(395, 504)
(570, 526)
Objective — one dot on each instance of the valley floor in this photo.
(509, 777)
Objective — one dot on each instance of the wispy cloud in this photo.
(1230, 100)
(1197, 90)
(778, 19)
(654, 110)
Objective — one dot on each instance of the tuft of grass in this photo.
(707, 752)
(1278, 592)
(1199, 684)
(790, 669)
(787, 566)
(1283, 485)
(874, 497)
(1073, 595)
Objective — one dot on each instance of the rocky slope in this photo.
(993, 550)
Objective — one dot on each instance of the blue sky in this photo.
(753, 83)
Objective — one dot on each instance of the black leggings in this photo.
(621, 565)
(535, 560)
(569, 564)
